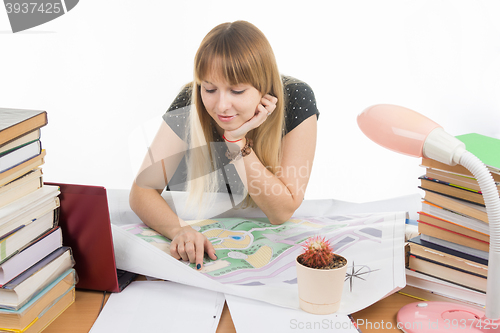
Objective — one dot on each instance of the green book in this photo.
(486, 148)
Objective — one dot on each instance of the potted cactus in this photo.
(320, 276)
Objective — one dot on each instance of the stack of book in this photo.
(37, 279)
(451, 253)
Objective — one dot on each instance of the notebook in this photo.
(86, 228)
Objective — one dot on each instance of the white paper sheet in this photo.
(160, 306)
(250, 316)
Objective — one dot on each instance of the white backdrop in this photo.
(107, 70)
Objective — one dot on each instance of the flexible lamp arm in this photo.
(492, 202)
(408, 132)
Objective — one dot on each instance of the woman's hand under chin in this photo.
(264, 109)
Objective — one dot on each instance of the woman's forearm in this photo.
(154, 211)
(280, 193)
(275, 198)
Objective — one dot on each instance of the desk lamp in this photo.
(408, 132)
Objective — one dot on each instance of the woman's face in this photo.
(230, 106)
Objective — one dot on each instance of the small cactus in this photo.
(318, 253)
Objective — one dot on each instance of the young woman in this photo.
(239, 127)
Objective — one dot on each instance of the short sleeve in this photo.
(177, 114)
(300, 103)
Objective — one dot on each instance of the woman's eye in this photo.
(238, 92)
(210, 91)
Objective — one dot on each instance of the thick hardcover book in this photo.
(455, 179)
(450, 190)
(447, 273)
(430, 163)
(51, 313)
(447, 256)
(484, 255)
(22, 206)
(459, 206)
(20, 155)
(16, 122)
(34, 310)
(21, 141)
(31, 215)
(450, 236)
(21, 169)
(18, 240)
(453, 227)
(455, 217)
(20, 290)
(23, 260)
(444, 288)
(21, 186)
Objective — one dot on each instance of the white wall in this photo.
(108, 69)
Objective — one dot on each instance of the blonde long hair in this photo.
(240, 53)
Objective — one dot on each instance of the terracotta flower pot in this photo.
(320, 290)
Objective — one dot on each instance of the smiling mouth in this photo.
(225, 118)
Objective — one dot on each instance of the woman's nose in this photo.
(224, 102)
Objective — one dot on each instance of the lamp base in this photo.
(427, 317)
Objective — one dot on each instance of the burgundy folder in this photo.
(86, 228)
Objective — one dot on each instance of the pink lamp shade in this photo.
(396, 128)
